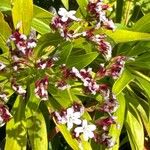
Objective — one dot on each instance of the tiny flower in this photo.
(106, 122)
(2, 66)
(72, 117)
(3, 96)
(41, 88)
(4, 115)
(65, 15)
(86, 129)
(62, 85)
(19, 89)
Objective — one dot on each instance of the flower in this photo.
(4, 115)
(41, 88)
(65, 15)
(3, 96)
(86, 129)
(72, 117)
(106, 122)
(2, 66)
(19, 89)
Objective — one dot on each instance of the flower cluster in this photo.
(72, 117)
(4, 115)
(62, 21)
(41, 87)
(98, 10)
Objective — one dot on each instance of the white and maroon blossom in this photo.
(3, 97)
(107, 140)
(104, 90)
(106, 122)
(24, 44)
(5, 116)
(66, 15)
(60, 117)
(98, 10)
(71, 116)
(18, 88)
(105, 48)
(45, 63)
(41, 87)
(86, 129)
(116, 67)
(2, 66)
(62, 85)
(101, 71)
(109, 106)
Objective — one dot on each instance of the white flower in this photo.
(31, 44)
(65, 15)
(86, 129)
(2, 66)
(3, 96)
(19, 89)
(72, 118)
(24, 37)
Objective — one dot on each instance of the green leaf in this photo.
(41, 20)
(122, 82)
(81, 61)
(120, 36)
(37, 131)
(65, 3)
(49, 39)
(5, 5)
(5, 32)
(23, 12)
(143, 24)
(83, 6)
(32, 103)
(16, 137)
(115, 131)
(64, 52)
(134, 128)
(62, 97)
(72, 142)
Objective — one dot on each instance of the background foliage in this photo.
(31, 126)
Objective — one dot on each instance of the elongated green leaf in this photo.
(37, 131)
(83, 6)
(115, 130)
(23, 12)
(16, 137)
(120, 36)
(41, 20)
(81, 61)
(5, 5)
(122, 82)
(66, 3)
(134, 128)
(72, 142)
(32, 103)
(143, 24)
(5, 32)
(143, 109)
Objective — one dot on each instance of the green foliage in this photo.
(33, 119)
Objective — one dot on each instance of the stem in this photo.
(69, 93)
